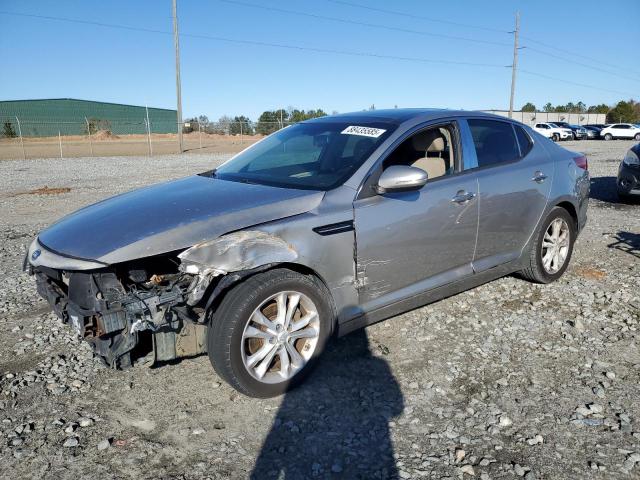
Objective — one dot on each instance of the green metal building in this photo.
(69, 116)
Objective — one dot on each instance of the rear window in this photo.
(495, 142)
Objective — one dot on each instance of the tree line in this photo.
(268, 122)
(624, 111)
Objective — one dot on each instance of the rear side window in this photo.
(495, 142)
(523, 140)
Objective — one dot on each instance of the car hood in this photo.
(170, 216)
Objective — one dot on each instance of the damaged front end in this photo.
(144, 309)
(152, 309)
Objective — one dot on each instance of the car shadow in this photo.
(627, 242)
(337, 422)
(604, 189)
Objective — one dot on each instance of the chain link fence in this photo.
(101, 138)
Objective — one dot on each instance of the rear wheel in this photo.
(551, 252)
(268, 332)
(637, 137)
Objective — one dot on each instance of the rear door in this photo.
(624, 131)
(514, 181)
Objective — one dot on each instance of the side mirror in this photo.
(401, 178)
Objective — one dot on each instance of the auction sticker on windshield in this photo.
(363, 131)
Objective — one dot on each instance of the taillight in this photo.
(581, 162)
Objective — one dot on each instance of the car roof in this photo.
(401, 115)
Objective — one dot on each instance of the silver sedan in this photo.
(321, 228)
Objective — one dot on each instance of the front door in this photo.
(409, 242)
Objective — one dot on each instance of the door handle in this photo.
(463, 196)
(539, 177)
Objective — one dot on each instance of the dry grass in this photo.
(106, 144)
(590, 273)
(44, 191)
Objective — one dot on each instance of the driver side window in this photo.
(430, 150)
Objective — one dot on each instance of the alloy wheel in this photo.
(555, 245)
(280, 337)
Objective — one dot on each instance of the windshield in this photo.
(314, 156)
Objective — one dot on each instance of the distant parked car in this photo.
(621, 130)
(628, 182)
(566, 129)
(552, 131)
(593, 132)
(579, 132)
(597, 125)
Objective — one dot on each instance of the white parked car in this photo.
(621, 130)
(552, 131)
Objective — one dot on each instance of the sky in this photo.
(590, 51)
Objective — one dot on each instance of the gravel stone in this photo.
(485, 381)
(71, 442)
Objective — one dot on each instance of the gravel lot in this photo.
(508, 380)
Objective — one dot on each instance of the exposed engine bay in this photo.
(153, 309)
(121, 310)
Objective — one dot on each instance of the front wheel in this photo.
(551, 252)
(608, 136)
(637, 137)
(555, 137)
(268, 332)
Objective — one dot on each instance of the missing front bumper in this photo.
(123, 325)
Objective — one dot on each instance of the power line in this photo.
(555, 47)
(259, 43)
(300, 47)
(541, 75)
(86, 22)
(409, 15)
(412, 16)
(568, 60)
(363, 24)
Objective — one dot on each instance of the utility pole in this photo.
(176, 42)
(514, 65)
(149, 131)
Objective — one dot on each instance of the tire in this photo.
(637, 137)
(536, 271)
(622, 197)
(628, 199)
(230, 348)
(608, 136)
(555, 137)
